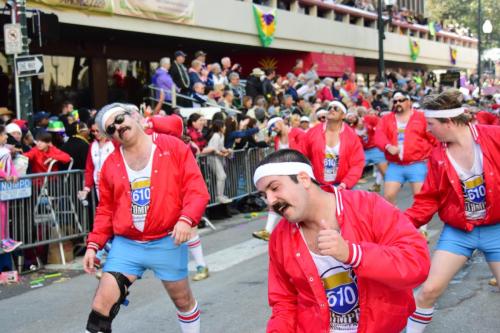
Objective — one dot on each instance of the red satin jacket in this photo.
(394, 259)
(442, 191)
(351, 154)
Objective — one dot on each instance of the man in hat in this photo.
(334, 149)
(6, 115)
(254, 83)
(181, 79)
(340, 261)
(151, 194)
(40, 121)
(462, 186)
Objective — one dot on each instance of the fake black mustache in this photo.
(122, 130)
(279, 206)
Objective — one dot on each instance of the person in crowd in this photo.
(305, 123)
(201, 56)
(254, 83)
(246, 106)
(181, 78)
(284, 137)
(216, 141)
(67, 108)
(267, 84)
(325, 94)
(339, 261)
(237, 89)
(40, 121)
(334, 150)
(44, 153)
(195, 74)
(216, 76)
(227, 102)
(77, 145)
(7, 173)
(298, 68)
(152, 234)
(57, 130)
(15, 138)
(321, 115)
(163, 81)
(199, 95)
(195, 124)
(237, 131)
(6, 115)
(463, 187)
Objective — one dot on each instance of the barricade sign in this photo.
(18, 190)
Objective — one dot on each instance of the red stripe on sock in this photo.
(422, 318)
(195, 244)
(190, 317)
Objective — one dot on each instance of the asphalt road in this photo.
(233, 299)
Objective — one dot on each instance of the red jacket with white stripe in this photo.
(171, 125)
(351, 155)
(486, 118)
(442, 191)
(178, 193)
(418, 142)
(295, 135)
(388, 256)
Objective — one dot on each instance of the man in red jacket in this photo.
(463, 187)
(339, 260)
(151, 194)
(402, 135)
(334, 149)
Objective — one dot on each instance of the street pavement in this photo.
(234, 298)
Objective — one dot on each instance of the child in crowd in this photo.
(44, 153)
(7, 173)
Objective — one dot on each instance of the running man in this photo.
(340, 261)
(463, 187)
(151, 194)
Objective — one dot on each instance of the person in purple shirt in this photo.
(162, 80)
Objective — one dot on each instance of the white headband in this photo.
(339, 105)
(273, 121)
(449, 113)
(282, 169)
(108, 114)
(320, 113)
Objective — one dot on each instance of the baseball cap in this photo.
(179, 53)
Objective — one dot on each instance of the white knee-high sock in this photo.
(194, 245)
(272, 219)
(378, 178)
(419, 320)
(190, 321)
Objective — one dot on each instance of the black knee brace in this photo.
(97, 323)
(123, 284)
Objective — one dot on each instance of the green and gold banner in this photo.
(178, 11)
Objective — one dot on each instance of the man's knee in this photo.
(430, 292)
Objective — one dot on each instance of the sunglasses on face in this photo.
(119, 119)
(402, 100)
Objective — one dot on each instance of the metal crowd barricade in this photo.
(239, 168)
(52, 214)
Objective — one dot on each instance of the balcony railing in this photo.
(355, 16)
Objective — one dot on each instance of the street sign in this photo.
(29, 65)
(13, 38)
(13, 191)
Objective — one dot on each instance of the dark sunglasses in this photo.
(119, 119)
(401, 100)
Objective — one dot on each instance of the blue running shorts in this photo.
(484, 238)
(411, 173)
(168, 261)
(374, 156)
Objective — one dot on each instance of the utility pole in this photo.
(24, 97)
(381, 36)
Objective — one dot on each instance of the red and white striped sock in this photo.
(190, 321)
(194, 245)
(419, 320)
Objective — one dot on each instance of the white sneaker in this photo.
(224, 200)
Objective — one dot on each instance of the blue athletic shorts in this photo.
(411, 173)
(484, 238)
(374, 156)
(168, 261)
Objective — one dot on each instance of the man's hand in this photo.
(88, 261)
(331, 243)
(341, 186)
(393, 150)
(181, 233)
